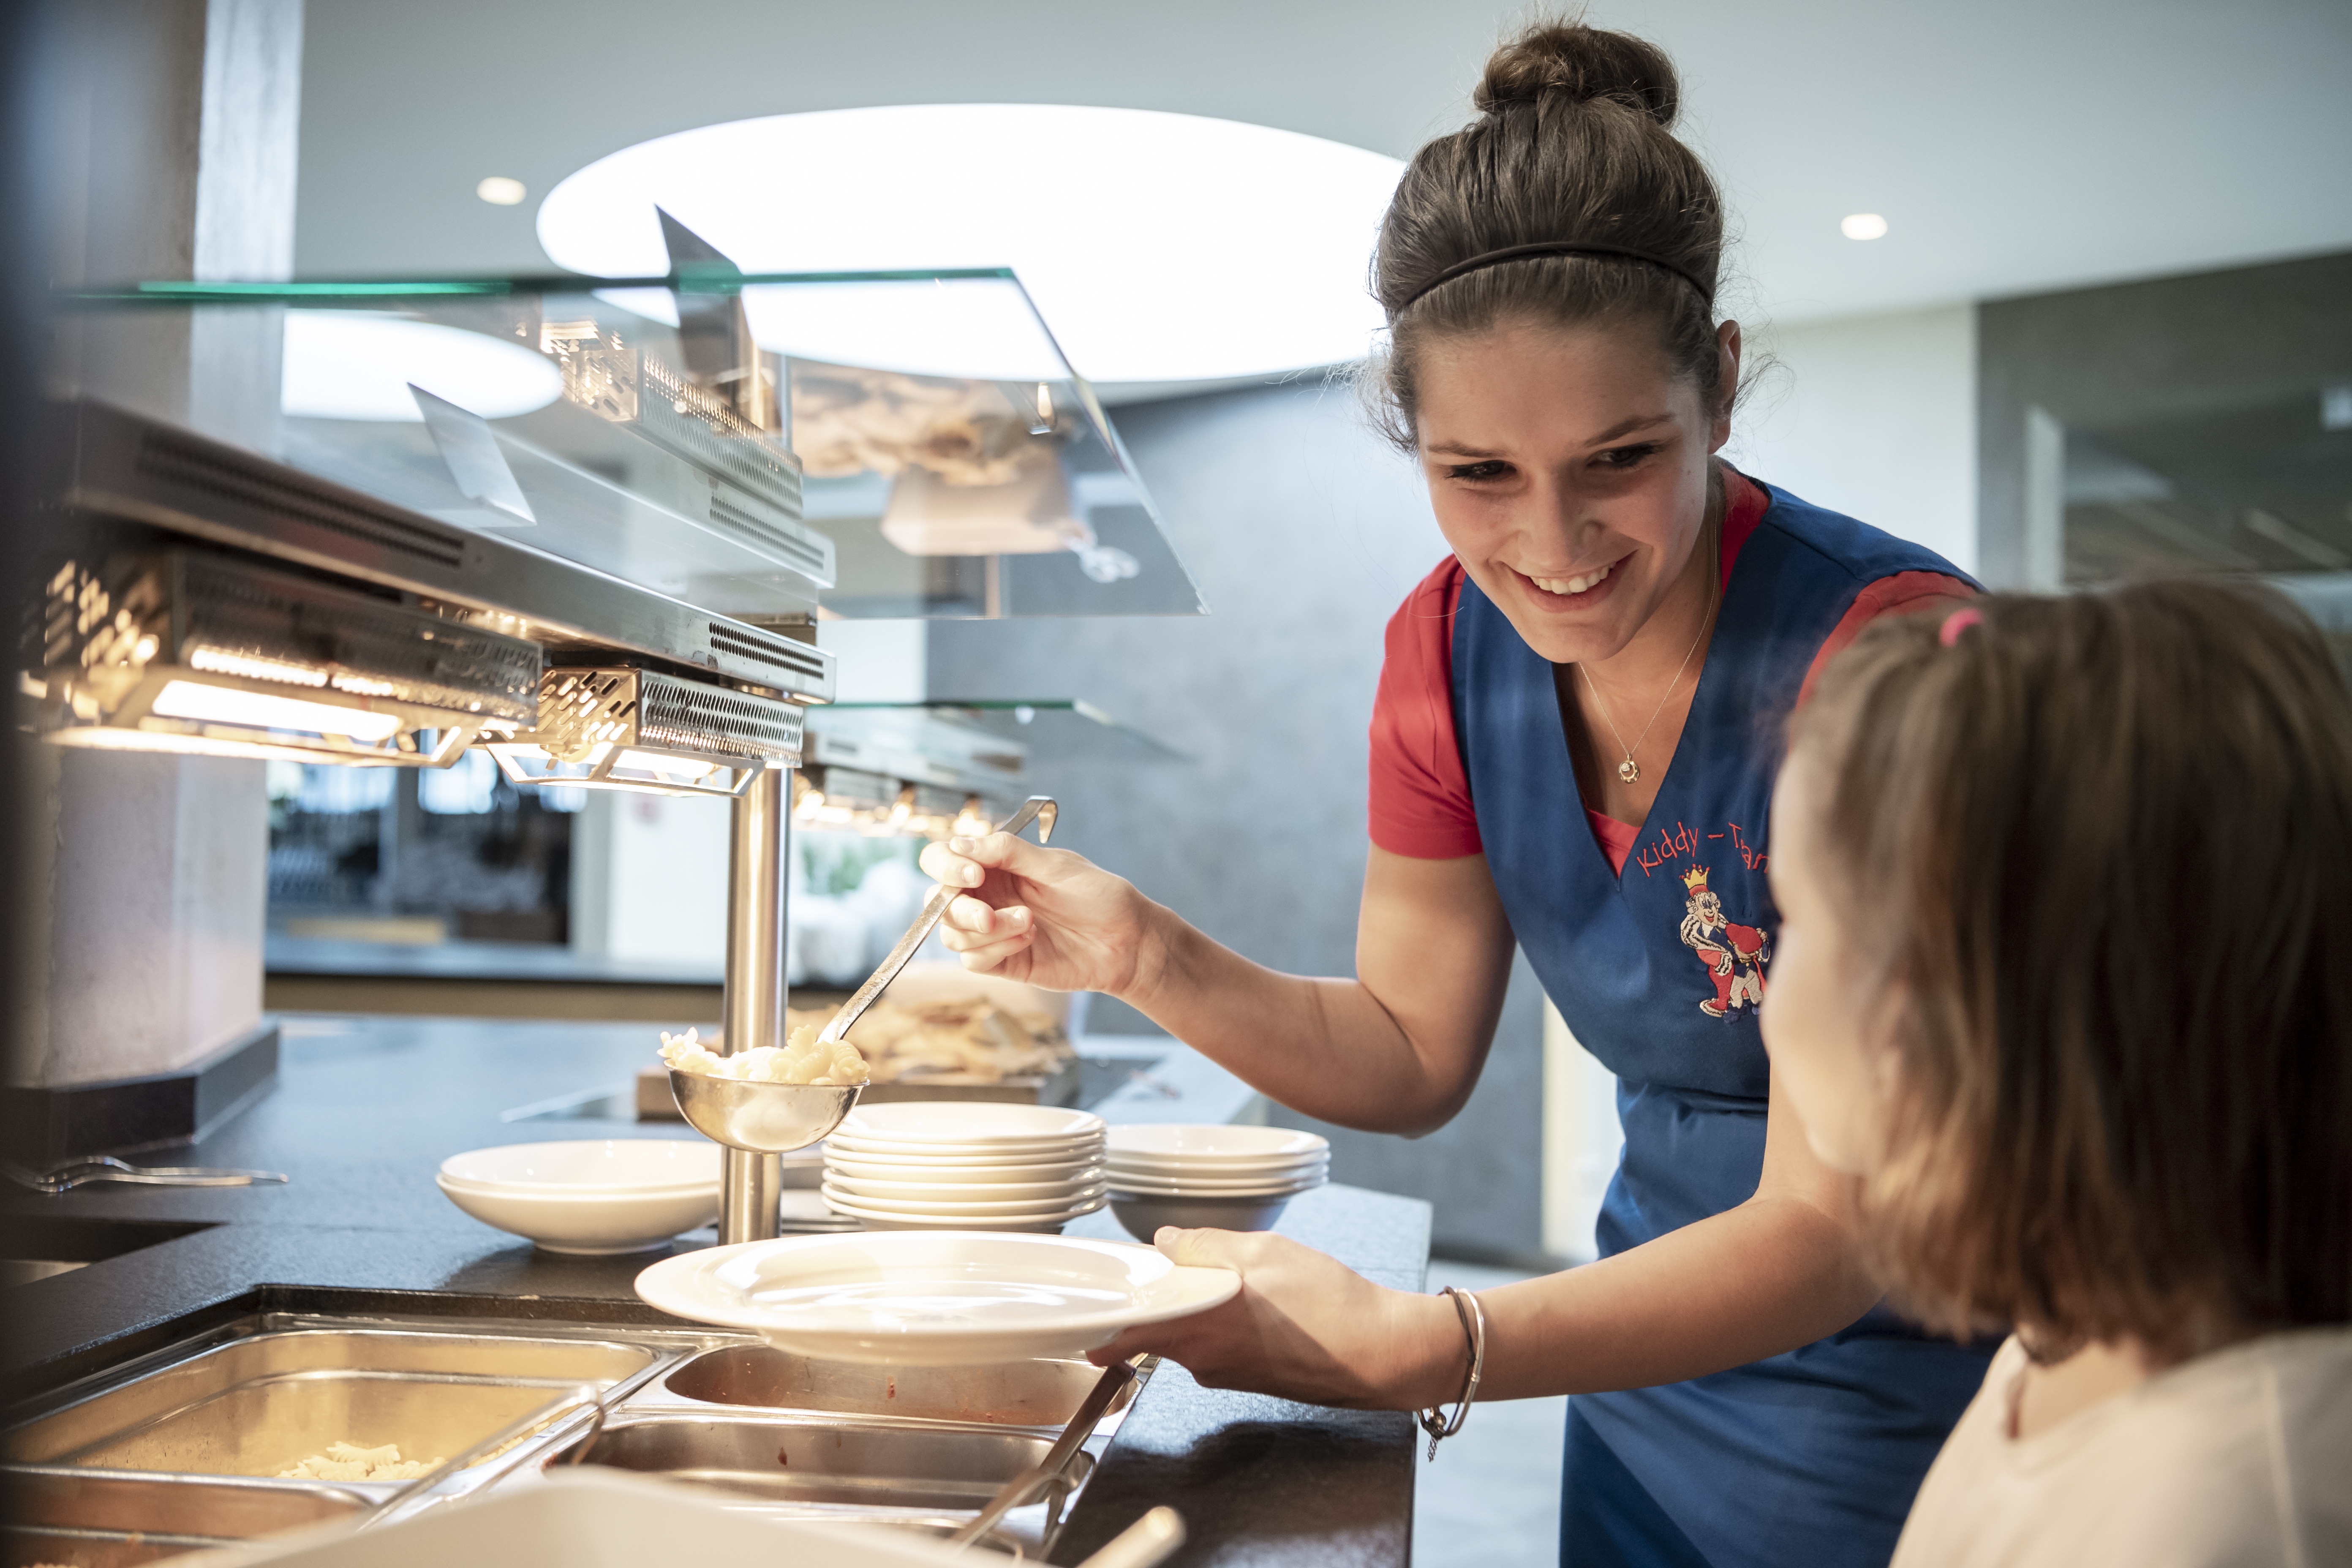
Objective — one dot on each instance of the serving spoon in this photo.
(1039, 809)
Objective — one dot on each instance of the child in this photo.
(2066, 896)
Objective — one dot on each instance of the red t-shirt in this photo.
(1420, 791)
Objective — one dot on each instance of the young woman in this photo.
(1572, 750)
(2062, 893)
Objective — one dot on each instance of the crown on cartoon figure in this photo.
(1695, 880)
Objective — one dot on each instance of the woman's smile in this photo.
(1567, 594)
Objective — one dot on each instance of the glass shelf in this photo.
(774, 447)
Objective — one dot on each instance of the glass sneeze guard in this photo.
(774, 447)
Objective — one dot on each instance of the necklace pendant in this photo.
(1630, 770)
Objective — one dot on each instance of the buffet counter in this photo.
(365, 1108)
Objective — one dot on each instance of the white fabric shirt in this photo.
(2242, 1457)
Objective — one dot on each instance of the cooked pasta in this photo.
(350, 1462)
(803, 1058)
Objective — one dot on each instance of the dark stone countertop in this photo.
(366, 1110)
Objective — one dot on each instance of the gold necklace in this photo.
(1628, 770)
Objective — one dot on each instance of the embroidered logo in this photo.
(1735, 955)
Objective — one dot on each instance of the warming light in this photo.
(262, 711)
(503, 191)
(1159, 247)
(650, 733)
(1863, 225)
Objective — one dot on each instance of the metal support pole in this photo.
(751, 1185)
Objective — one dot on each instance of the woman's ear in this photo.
(1727, 381)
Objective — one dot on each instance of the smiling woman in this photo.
(1572, 754)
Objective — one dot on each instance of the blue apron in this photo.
(1810, 1457)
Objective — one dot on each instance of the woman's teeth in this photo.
(1571, 584)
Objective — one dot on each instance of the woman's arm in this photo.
(1780, 1271)
(1396, 1049)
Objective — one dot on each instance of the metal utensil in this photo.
(1024, 1485)
(107, 1168)
(1146, 1542)
(762, 1117)
(1039, 809)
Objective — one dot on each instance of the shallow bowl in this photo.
(610, 1165)
(964, 1191)
(1144, 1214)
(1085, 1197)
(592, 1223)
(1217, 1144)
(960, 1122)
(942, 1173)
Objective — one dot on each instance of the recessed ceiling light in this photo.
(501, 192)
(1863, 225)
(1157, 247)
(358, 364)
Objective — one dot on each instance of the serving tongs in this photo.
(1024, 1487)
(1039, 809)
(107, 1168)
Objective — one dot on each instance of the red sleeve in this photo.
(1420, 795)
(1906, 593)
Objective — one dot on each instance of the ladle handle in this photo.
(1039, 809)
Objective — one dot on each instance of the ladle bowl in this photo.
(760, 1116)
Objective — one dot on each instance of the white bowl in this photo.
(1167, 1171)
(1119, 1183)
(594, 1225)
(617, 1165)
(1086, 1198)
(887, 1219)
(943, 1173)
(968, 1121)
(966, 1192)
(1143, 1214)
(1213, 1144)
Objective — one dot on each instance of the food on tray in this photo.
(803, 1058)
(959, 1040)
(350, 1462)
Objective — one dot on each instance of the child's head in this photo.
(2065, 967)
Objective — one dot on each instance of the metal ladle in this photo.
(1039, 809)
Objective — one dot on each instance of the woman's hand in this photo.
(1044, 916)
(1305, 1327)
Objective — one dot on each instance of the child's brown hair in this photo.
(2104, 845)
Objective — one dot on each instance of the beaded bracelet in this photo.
(1474, 1329)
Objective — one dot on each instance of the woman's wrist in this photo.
(1159, 936)
(1429, 1359)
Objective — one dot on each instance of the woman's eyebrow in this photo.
(1627, 426)
(1455, 450)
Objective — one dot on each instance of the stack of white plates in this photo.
(596, 1196)
(942, 1164)
(1220, 1178)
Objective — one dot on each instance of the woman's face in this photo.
(1827, 1027)
(1568, 470)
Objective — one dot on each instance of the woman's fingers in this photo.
(941, 864)
(980, 919)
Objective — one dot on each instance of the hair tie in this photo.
(1959, 621)
(1484, 259)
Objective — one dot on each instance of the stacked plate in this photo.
(965, 1165)
(1217, 1178)
(596, 1196)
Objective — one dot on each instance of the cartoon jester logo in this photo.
(1735, 955)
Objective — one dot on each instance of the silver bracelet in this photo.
(1474, 1329)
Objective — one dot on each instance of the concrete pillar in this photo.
(171, 126)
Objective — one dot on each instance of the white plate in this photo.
(1032, 1208)
(1215, 1144)
(934, 1298)
(1218, 1190)
(938, 1173)
(961, 1191)
(968, 1121)
(1003, 1150)
(588, 1164)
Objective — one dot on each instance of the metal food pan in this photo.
(845, 1467)
(71, 1517)
(259, 1404)
(1036, 1394)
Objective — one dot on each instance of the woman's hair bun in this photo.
(1579, 63)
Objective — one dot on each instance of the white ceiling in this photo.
(2014, 145)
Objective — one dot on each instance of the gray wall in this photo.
(1305, 533)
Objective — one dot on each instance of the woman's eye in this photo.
(1626, 457)
(1490, 469)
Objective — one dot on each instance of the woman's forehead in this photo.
(1511, 387)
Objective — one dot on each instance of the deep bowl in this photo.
(594, 1225)
(1143, 1214)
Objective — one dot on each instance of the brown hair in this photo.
(1573, 144)
(2104, 844)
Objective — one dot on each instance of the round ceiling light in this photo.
(1863, 225)
(1157, 247)
(358, 364)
